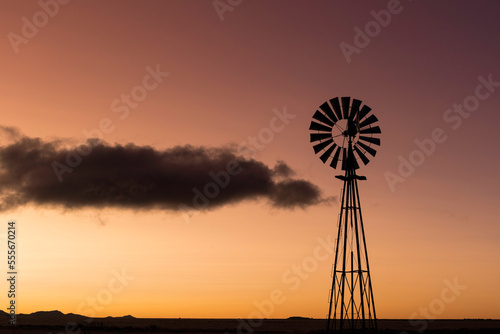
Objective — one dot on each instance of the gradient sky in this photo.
(225, 79)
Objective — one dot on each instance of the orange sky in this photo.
(224, 80)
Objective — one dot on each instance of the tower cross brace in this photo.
(352, 307)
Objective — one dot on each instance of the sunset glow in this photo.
(234, 99)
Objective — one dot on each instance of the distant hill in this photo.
(48, 320)
(4, 315)
(57, 318)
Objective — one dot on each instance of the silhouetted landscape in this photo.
(249, 166)
(56, 322)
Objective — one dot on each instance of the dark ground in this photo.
(221, 326)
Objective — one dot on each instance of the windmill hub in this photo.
(341, 133)
(343, 130)
(338, 122)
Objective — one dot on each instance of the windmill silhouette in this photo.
(343, 130)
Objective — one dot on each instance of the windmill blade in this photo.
(355, 163)
(319, 127)
(346, 106)
(328, 153)
(370, 120)
(364, 111)
(375, 129)
(372, 140)
(336, 107)
(354, 108)
(322, 145)
(328, 111)
(335, 158)
(320, 136)
(356, 114)
(361, 155)
(367, 148)
(318, 115)
(344, 158)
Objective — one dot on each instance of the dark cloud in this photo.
(282, 169)
(141, 177)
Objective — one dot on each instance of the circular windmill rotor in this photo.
(338, 122)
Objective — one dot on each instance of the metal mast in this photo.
(352, 307)
(343, 129)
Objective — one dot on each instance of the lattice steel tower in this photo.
(343, 130)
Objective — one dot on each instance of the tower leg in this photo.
(352, 307)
